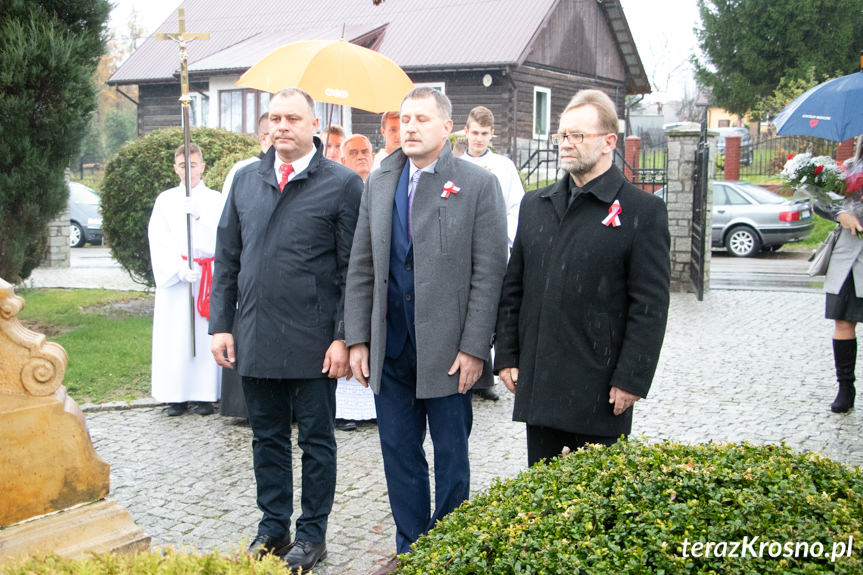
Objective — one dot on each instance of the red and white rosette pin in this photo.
(613, 217)
(449, 188)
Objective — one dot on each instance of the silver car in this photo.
(85, 216)
(748, 218)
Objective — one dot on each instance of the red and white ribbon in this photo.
(449, 188)
(613, 217)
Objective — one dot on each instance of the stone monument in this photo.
(53, 484)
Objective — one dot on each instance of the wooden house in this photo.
(522, 59)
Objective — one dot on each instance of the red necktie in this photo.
(287, 170)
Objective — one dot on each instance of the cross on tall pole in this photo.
(182, 38)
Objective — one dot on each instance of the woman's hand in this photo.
(850, 222)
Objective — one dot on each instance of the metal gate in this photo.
(699, 213)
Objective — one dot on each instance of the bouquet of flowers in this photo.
(829, 185)
(819, 171)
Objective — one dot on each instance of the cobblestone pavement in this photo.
(90, 267)
(741, 365)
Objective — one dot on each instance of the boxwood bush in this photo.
(165, 561)
(642, 508)
(140, 171)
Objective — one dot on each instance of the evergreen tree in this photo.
(49, 50)
(751, 46)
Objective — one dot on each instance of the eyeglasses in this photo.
(572, 137)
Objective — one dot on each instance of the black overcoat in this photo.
(584, 305)
(281, 264)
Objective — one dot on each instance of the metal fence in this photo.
(537, 163)
(769, 155)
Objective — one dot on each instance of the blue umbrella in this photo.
(832, 110)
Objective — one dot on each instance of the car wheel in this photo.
(742, 242)
(77, 239)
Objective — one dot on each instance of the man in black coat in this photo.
(585, 297)
(282, 253)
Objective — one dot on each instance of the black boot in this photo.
(845, 358)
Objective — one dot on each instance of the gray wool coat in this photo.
(460, 253)
(847, 257)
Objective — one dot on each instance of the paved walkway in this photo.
(741, 365)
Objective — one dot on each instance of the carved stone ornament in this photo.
(47, 460)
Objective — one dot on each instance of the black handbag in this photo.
(820, 258)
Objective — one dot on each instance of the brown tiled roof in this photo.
(419, 34)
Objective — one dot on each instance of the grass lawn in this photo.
(106, 335)
(819, 232)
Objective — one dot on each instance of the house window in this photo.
(541, 112)
(439, 86)
(199, 109)
(724, 123)
(341, 115)
(239, 110)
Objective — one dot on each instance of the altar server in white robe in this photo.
(177, 376)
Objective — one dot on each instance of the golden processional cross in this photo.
(182, 38)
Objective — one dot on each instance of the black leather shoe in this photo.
(346, 425)
(264, 544)
(203, 408)
(305, 555)
(175, 409)
(488, 393)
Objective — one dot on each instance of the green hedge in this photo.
(162, 562)
(140, 171)
(632, 507)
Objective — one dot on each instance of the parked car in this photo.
(85, 216)
(746, 149)
(691, 126)
(747, 218)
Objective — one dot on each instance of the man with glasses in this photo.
(585, 297)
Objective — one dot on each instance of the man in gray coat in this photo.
(426, 267)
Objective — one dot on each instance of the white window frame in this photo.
(248, 118)
(547, 92)
(199, 109)
(341, 116)
(439, 86)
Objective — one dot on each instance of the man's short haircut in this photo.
(334, 129)
(288, 92)
(263, 117)
(193, 149)
(482, 116)
(356, 137)
(444, 106)
(388, 116)
(602, 103)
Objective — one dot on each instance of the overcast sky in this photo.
(662, 32)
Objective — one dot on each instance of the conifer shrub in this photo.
(651, 509)
(49, 50)
(142, 170)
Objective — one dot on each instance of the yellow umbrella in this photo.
(332, 71)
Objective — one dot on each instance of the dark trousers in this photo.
(546, 443)
(271, 404)
(402, 428)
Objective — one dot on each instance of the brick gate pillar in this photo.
(732, 157)
(844, 150)
(631, 155)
